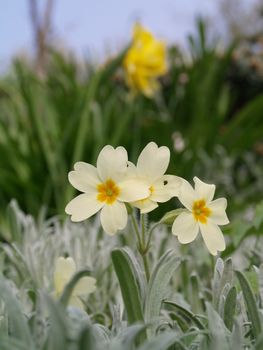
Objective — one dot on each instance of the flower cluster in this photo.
(116, 181)
(144, 62)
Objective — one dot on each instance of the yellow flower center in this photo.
(108, 192)
(200, 211)
(151, 189)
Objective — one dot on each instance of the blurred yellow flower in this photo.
(64, 270)
(144, 62)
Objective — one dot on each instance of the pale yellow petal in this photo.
(203, 190)
(218, 211)
(213, 237)
(112, 163)
(76, 302)
(85, 285)
(83, 206)
(64, 270)
(153, 161)
(145, 205)
(133, 189)
(187, 195)
(185, 228)
(114, 217)
(165, 188)
(84, 178)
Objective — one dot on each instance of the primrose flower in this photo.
(151, 166)
(203, 214)
(64, 270)
(144, 62)
(105, 188)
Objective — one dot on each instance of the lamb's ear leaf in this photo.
(17, 324)
(57, 337)
(186, 313)
(158, 285)
(253, 313)
(230, 308)
(129, 274)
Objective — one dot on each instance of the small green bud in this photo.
(169, 217)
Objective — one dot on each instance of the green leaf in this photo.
(158, 284)
(58, 332)
(186, 313)
(127, 338)
(253, 313)
(259, 343)
(164, 342)
(87, 339)
(12, 344)
(18, 327)
(223, 276)
(230, 308)
(258, 219)
(236, 341)
(218, 330)
(126, 268)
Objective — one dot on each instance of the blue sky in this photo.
(98, 26)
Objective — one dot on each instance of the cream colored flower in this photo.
(203, 214)
(64, 270)
(151, 167)
(105, 188)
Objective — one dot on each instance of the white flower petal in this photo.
(185, 227)
(186, 195)
(213, 237)
(133, 190)
(112, 163)
(83, 206)
(131, 169)
(165, 188)
(145, 205)
(153, 161)
(84, 178)
(203, 190)
(218, 209)
(64, 270)
(76, 302)
(114, 217)
(84, 286)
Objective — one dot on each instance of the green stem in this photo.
(150, 235)
(136, 230)
(144, 249)
(141, 243)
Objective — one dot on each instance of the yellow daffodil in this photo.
(105, 188)
(202, 214)
(144, 62)
(151, 167)
(64, 270)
